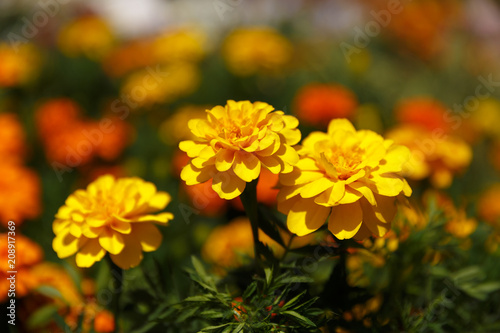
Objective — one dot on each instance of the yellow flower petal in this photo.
(90, 253)
(148, 236)
(66, 244)
(316, 187)
(331, 196)
(306, 217)
(112, 241)
(345, 220)
(131, 255)
(192, 175)
(227, 185)
(340, 125)
(224, 159)
(246, 166)
(192, 148)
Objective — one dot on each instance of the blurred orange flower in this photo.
(19, 194)
(12, 137)
(488, 207)
(424, 112)
(74, 141)
(128, 57)
(104, 322)
(317, 104)
(421, 26)
(27, 254)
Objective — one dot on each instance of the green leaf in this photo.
(294, 300)
(269, 275)
(239, 328)
(42, 316)
(300, 318)
(198, 266)
(50, 292)
(250, 290)
(198, 299)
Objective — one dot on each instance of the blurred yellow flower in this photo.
(438, 157)
(111, 215)
(235, 141)
(144, 88)
(256, 50)
(486, 117)
(229, 245)
(90, 36)
(179, 46)
(18, 65)
(351, 176)
(175, 128)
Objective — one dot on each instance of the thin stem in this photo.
(117, 276)
(249, 200)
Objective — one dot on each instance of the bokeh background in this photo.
(95, 87)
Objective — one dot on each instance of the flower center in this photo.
(344, 162)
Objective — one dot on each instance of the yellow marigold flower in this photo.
(17, 66)
(175, 128)
(90, 36)
(111, 215)
(250, 51)
(234, 142)
(438, 157)
(179, 45)
(145, 89)
(351, 176)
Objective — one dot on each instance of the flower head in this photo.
(351, 176)
(28, 255)
(18, 65)
(19, 194)
(88, 35)
(235, 141)
(111, 215)
(250, 51)
(438, 157)
(13, 139)
(317, 104)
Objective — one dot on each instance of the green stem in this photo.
(117, 276)
(249, 201)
